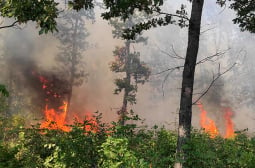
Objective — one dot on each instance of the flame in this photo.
(89, 124)
(55, 119)
(58, 120)
(207, 124)
(229, 133)
(210, 127)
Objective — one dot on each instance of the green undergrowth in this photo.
(116, 146)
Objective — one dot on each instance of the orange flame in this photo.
(90, 124)
(207, 124)
(229, 133)
(58, 120)
(55, 119)
(210, 127)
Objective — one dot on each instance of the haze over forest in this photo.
(24, 48)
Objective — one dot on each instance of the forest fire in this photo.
(207, 124)
(55, 119)
(56, 107)
(229, 133)
(210, 127)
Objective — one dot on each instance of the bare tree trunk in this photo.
(73, 65)
(185, 113)
(9, 110)
(123, 111)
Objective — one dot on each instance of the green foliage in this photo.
(156, 147)
(77, 148)
(123, 9)
(116, 146)
(206, 152)
(7, 157)
(79, 4)
(4, 91)
(43, 12)
(245, 13)
(129, 63)
(3, 100)
(201, 151)
(115, 154)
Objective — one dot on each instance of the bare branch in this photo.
(170, 14)
(225, 6)
(207, 30)
(214, 79)
(163, 83)
(175, 55)
(14, 24)
(209, 58)
(169, 69)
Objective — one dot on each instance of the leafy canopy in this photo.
(245, 13)
(45, 12)
(125, 8)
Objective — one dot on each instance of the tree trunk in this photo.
(123, 111)
(9, 110)
(185, 113)
(73, 65)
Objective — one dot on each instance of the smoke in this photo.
(158, 100)
(32, 57)
(234, 89)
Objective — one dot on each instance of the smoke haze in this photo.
(157, 100)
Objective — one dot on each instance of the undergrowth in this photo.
(116, 146)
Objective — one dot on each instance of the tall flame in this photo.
(210, 127)
(229, 133)
(207, 123)
(55, 119)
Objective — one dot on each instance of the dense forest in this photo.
(119, 84)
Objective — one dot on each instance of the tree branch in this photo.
(213, 81)
(174, 55)
(204, 31)
(170, 14)
(11, 25)
(209, 58)
(163, 83)
(169, 69)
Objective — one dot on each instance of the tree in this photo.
(150, 7)
(245, 16)
(124, 8)
(43, 12)
(72, 35)
(185, 113)
(128, 62)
